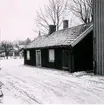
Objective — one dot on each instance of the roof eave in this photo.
(58, 46)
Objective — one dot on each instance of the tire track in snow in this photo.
(58, 91)
(14, 84)
(61, 85)
(63, 92)
(22, 91)
(71, 86)
(51, 85)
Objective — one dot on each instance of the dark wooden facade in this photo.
(83, 54)
(98, 38)
(77, 58)
(57, 64)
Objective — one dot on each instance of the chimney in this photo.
(65, 24)
(52, 28)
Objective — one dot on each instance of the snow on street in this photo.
(31, 85)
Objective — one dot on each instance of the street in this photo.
(32, 85)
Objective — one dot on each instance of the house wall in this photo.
(32, 60)
(24, 53)
(57, 64)
(58, 59)
(83, 54)
(98, 9)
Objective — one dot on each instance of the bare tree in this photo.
(83, 10)
(54, 13)
(7, 47)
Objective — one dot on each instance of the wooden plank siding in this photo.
(57, 64)
(83, 54)
(32, 60)
(98, 38)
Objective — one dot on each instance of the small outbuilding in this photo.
(67, 49)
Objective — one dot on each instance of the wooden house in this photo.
(98, 38)
(69, 49)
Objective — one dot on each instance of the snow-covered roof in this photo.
(62, 37)
(21, 46)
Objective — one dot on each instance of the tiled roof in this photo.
(62, 37)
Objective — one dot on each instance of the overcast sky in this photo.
(17, 18)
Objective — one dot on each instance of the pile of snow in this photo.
(81, 73)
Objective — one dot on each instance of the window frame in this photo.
(51, 55)
(28, 54)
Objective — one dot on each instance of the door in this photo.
(65, 59)
(38, 58)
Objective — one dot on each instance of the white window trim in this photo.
(51, 57)
(28, 55)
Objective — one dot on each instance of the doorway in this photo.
(65, 59)
(38, 58)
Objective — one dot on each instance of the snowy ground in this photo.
(31, 85)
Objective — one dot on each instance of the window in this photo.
(28, 55)
(51, 55)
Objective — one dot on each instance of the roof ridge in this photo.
(61, 37)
